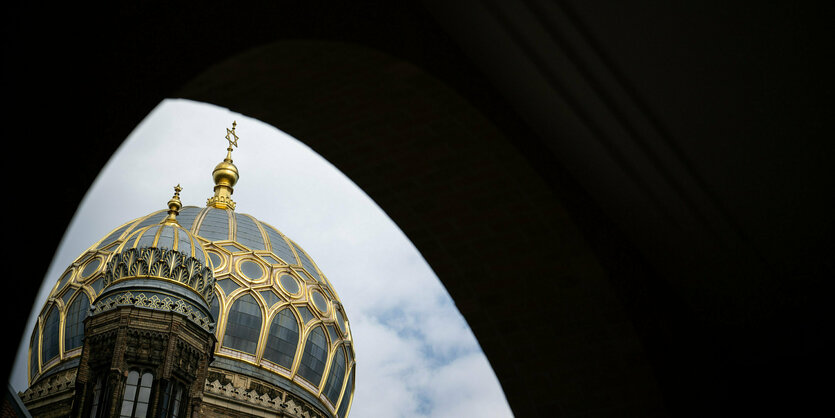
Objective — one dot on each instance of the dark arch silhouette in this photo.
(554, 163)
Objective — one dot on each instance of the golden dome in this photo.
(275, 314)
(164, 251)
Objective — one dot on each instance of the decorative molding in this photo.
(60, 383)
(101, 347)
(158, 302)
(144, 346)
(162, 263)
(187, 359)
(290, 405)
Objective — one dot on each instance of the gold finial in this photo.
(225, 175)
(174, 206)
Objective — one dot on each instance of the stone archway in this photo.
(499, 237)
(589, 325)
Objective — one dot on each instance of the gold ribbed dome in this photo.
(164, 251)
(275, 314)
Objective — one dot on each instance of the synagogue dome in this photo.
(276, 317)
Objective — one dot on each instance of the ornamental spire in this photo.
(225, 175)
(174, 206)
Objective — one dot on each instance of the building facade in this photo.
(192, 311)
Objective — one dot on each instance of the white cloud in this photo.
(415, 354)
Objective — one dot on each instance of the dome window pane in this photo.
(337, 372)
(187, 216)
(251, 270)
(96, 285)
(215, 225)
(332, 334)
(270, 297)
(112, 237)
(315, 353)
(228, 286)
(305, 313)
(320, 302)
(271, 260)
(50, 336)
(166, 238)
(346, 398)
(340, 319)
(91, 267)
(74, 322)
(64, 279)
(243, 325)
(304, 275)
(283, 339)
(153, 219)
(307, 264)
(289, 284)
(279, 245)
(67, 296)
(198, 250)
(147, 238)
(215, 308)
(184, 243)
(216, 260)
(247, 233)
(231, 248)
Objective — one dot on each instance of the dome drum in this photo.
(156, 295)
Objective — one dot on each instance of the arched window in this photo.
(137, 394)
(74, 322)
(49, 350)
(315, 353)
(337, 373)
(346, 398)
(283, 339)
(172, 400)
(243, 325)
(94, 408)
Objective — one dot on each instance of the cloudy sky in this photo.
(415, 354)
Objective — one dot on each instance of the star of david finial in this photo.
(231, 136)
(174, 206)
(225, 175)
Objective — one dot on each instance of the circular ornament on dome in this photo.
(91, 267)
(289, 284)
(251, 270)
(217, 260)
(319, 302)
